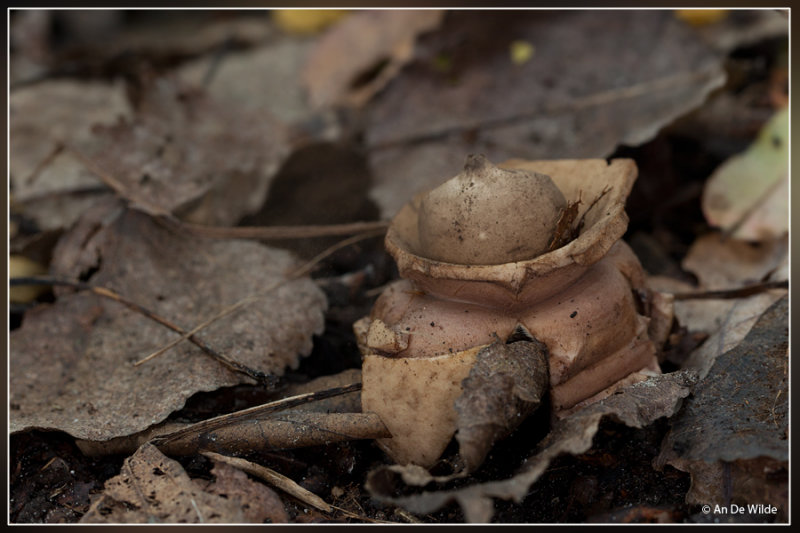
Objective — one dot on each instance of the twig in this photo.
(287, 485)
(251, 413)
(111, 295)
(222, 50)
(114, 184)
(277, 232)
(57, 149)
(278, 480)
(740, 292)
(240, 232)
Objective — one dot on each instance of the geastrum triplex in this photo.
(532, 246)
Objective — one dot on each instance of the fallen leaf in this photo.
(578, 97)
(745, 27)
(637, 406)
(504, 386)
(306, 21)
(185, 154)
(259, 503)
(280, 481)
(701, 17)
(20, 266)
(152, 488)
(40, 172)
(357, 57)
(738, 416)
(722, 263)
(748, 195)
(72, 362)
(257, 79)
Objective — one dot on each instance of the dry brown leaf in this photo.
(577, 97)
(726, 264)
(185, 154)
(376, 43)
(637, 406)
(259, 503)
(745, 27)
(40, 173)
(262, 78)
(734, 429)
(504, 386)
(72, 362)
(278, 480)
(152, 488)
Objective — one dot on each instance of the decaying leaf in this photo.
(274, 478)
(578, 97)
(719, 264)
(72, 361)
(748, 195)
(361, 54)
(504, 386)
(152, 488)
(184, 154)
(744, 27)
(41, 172)
(733, 431)
(259, 503)
(636, 406)
(263, 78)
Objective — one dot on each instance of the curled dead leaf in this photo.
(504, 386)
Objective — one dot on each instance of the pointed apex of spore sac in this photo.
(477, 163)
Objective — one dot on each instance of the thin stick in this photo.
(57, 149)
(272, 477)
(277, 232)
(108, 293)
(240, 232)
(287, 485)
(299, 272)
(741, 292)
(251, 413)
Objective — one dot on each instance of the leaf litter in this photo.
(732, 435)
(636, 406)
(463, 93)
(95, 256)
(73, 361)
(155, 489)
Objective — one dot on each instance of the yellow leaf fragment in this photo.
(20, 266)
(747, 196)
(521, 52)
(306, 21)
(701, 17)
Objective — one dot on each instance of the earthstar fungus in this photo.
(480, 262)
